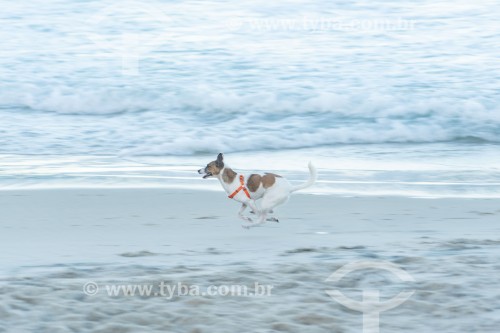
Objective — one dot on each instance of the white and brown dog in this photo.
(271, 188)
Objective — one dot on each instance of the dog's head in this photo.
(213, 168)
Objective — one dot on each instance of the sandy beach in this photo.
(56, 242)
(109, 109)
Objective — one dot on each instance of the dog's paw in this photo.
(273, 219)
(246, 219)
(270, 212)
(245, 226)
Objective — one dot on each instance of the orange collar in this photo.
(242, 187)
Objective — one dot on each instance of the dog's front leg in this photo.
(262, 220)
(240, 213)
(260, 214)
(253, 206)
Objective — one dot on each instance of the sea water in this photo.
(385, 97)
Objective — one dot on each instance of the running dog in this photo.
(273, 189)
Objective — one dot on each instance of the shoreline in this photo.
(375, 170)
(216, 188)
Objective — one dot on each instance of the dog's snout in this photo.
(201, 171)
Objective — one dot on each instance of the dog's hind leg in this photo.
(271, 199)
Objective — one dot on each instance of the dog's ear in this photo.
(219, 162)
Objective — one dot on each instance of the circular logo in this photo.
(90, 288)
(370, 306)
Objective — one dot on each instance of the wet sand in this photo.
(54, 242)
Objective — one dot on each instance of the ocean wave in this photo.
(74, 101)
(204, 121)
(210, 88)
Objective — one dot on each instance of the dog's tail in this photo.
(310, 182)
